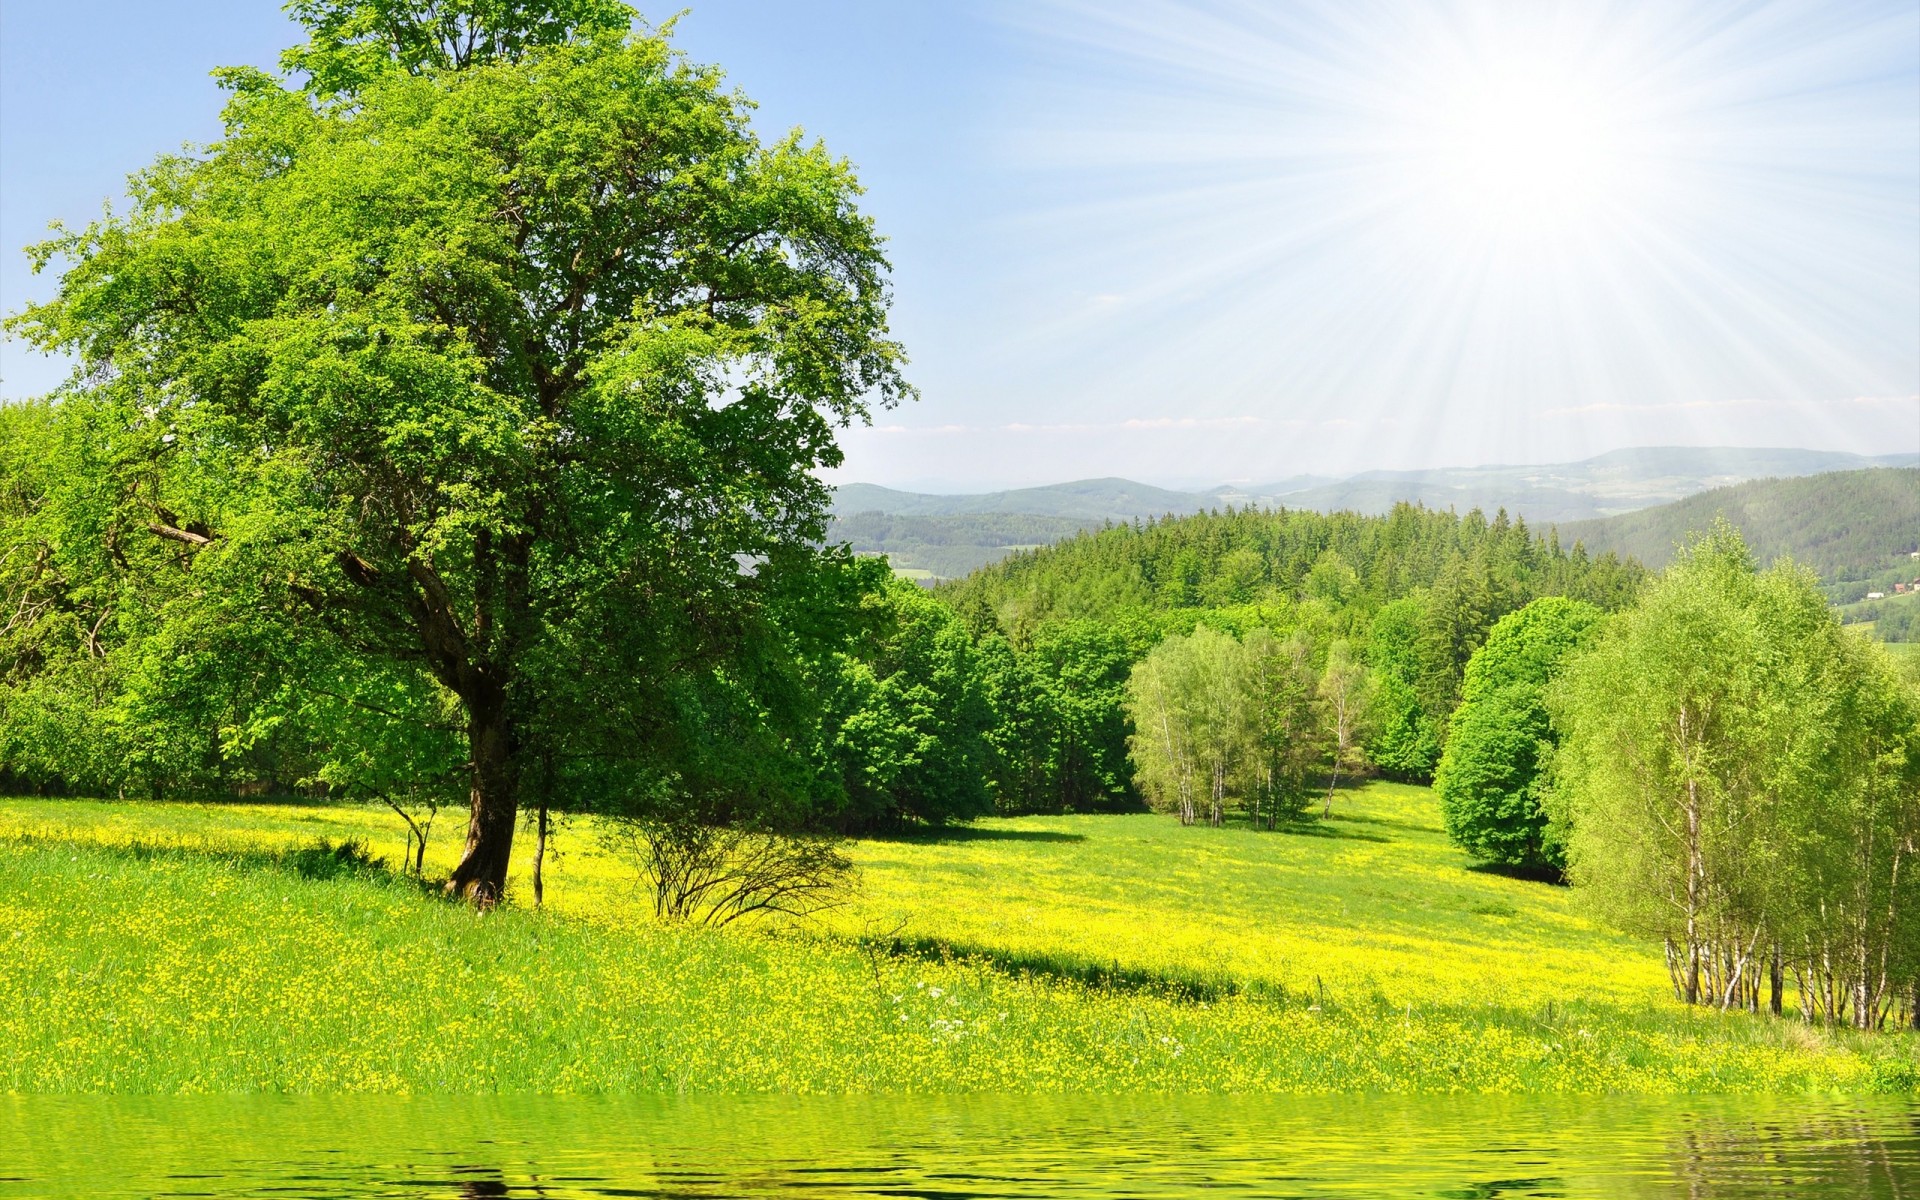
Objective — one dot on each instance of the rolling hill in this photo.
(169, 947)
(949, 535)
(1850, 526)
(1092, 500)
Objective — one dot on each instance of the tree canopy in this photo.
(1496, 768)
(1740, 778)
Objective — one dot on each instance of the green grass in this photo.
(180, 948)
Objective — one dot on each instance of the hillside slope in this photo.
(1849, 526)
(161, 948)
(1346, 560)
(1604, 485)
(948, 547)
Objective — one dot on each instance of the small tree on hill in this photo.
(1344, 692)
(1282, 743)
(1163, 745)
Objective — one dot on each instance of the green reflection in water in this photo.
(1466, 1147)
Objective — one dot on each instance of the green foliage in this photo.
(913, 715)
(1495, 771)
(1742, 781)
(1414, 592)
(1895, 619)
(352, 43)
(1082, 669)
(1405, 743)
(1186, 715)
(466, 392)
(1270, 557)
(1216, 716)
(1898, 623)
(1345, 697)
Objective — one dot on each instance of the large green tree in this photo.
(499, 356)
(1495, 770)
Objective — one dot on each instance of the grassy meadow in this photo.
(195, 948)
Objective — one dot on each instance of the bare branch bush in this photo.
(714, 874)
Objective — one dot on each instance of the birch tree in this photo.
(1162, 743)
(1739, 779)
(1343, 699)
(1281, 740)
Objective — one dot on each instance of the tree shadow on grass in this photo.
(264, 800)
(1547, 875)
(321, 860)
(972, 833)
(1190, 986)
(1388, 823)
(1314, 827)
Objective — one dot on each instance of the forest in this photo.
(1850, 527)
(1006, 693)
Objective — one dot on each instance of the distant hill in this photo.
(952, 546)
(1084, 499)
(940, 542)
(1616, 482)
(1850, 526)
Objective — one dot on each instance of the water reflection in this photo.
(1472, 1148)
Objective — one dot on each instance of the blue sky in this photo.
(1240, 240)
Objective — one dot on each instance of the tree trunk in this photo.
(481, 876)
(540, 854)
(1777, 978)
(1694, 871)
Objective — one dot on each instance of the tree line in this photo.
(1720, 766)
(1707, 754)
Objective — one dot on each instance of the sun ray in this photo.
(1459, 225)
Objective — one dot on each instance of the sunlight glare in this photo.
(1495, 226)
(1527, 148)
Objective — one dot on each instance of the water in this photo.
(1468, 1148)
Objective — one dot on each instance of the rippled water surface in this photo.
(1466, 1147)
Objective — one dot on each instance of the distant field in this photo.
(160, 947)
(1906, 651)
(1855, 612)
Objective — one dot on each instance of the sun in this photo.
(1524, 148)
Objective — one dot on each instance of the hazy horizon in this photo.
(1202, 483)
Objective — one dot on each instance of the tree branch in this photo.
(184, 536)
